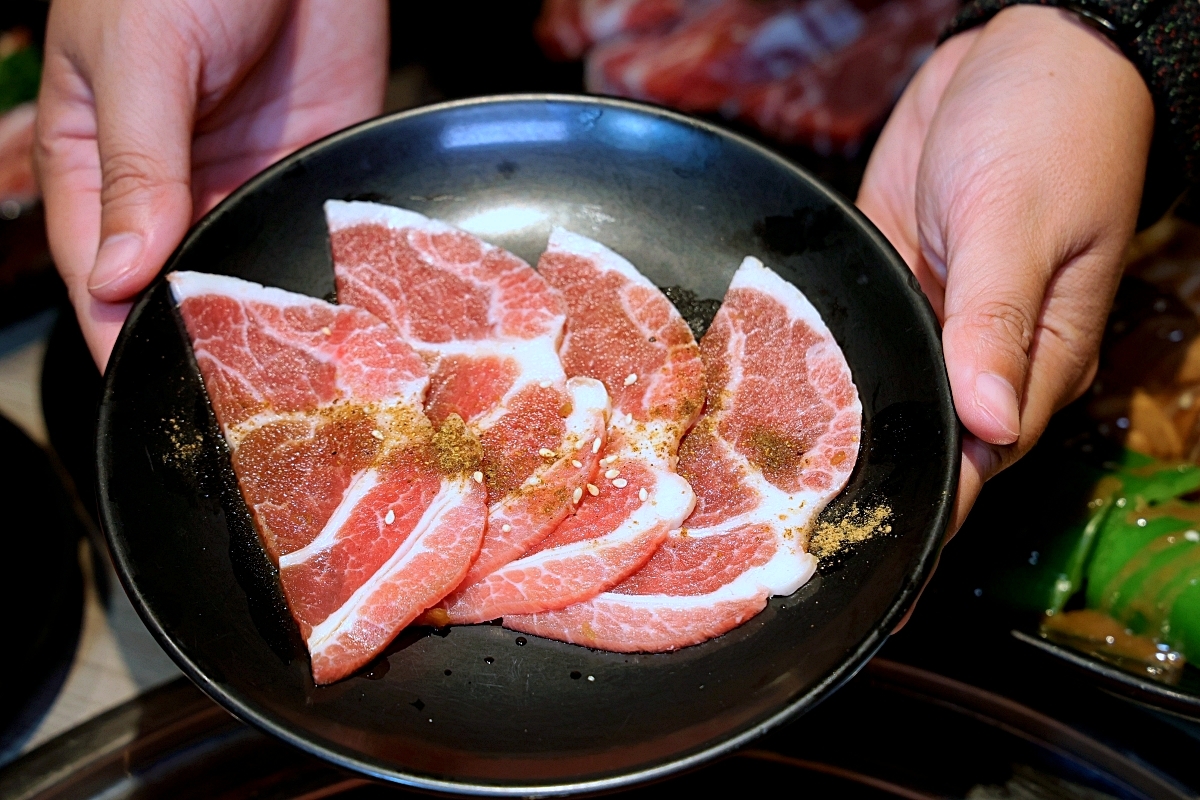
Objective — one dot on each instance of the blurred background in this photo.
(1051, 656)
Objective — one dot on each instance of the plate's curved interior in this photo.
(479, 707)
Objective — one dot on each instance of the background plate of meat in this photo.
(481, 708)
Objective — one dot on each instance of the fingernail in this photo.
(996, 398)
(115, 258)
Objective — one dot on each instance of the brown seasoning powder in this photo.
(455, 448)
(831, 537)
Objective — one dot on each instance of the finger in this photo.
(993, 299)
(68, 167)
(145, 95)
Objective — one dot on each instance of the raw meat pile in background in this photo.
(464, 438)
(777, 442)
(822, 73)
(370, 514)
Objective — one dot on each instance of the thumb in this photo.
(994, 295)
(1028, 188)
(145, 103)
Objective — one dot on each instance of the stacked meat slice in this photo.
(625, 332)
(464, 438)
(490, 328)
(370, 514)
(777, 442)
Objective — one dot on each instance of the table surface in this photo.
(116, 658)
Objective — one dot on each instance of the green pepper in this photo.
(1144, 558)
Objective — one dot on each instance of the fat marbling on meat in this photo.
(778, 440)
(370, 513)
(622, 331)
(489, 327)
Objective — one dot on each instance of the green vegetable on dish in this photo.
(1138, 551)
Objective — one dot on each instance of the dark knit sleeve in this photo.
(1162, 39)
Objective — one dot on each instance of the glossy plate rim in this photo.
(1159, 696)
(849, 666)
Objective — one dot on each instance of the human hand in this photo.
(151, 111)
(1009, 179)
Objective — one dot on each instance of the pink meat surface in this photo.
(778, 440)
(489, 327)
(370, 514)
(832, 104)
(622, 331)
(721, 49)
(566, 29)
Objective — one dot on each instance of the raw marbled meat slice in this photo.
(409, 530)
(777, 442)
(370, 514)
(489, 327)
(623, 331)
(293, 381)
(523, 518)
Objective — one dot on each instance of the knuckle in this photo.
(132, 176)
(999, 322)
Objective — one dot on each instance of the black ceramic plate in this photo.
(481, 709)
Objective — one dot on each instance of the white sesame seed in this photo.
(478, 476)
(620, 483)
(544, 384)
(642, 495)
(592, 489)
(631, 379)
(326, 331)
(391, 517)
(596, 445)
(629, 418)
(506, 527)
(546, 453)
(577, 464)
(577, 495)
(378, 435)
(608, 459)
(592, 678)
(612, 473)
